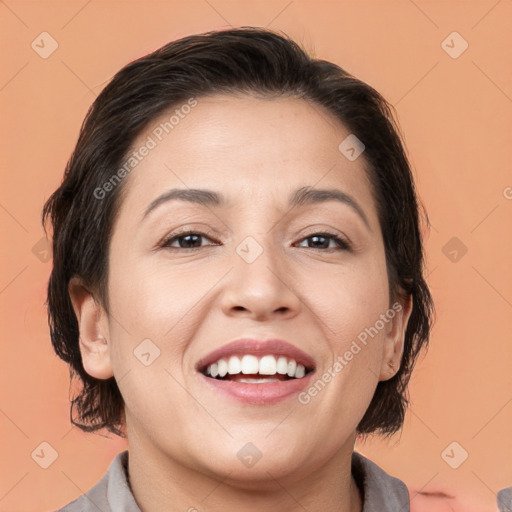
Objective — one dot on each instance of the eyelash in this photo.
(342, 244)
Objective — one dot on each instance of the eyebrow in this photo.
(302, 196)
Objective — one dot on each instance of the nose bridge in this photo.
(258, 257)
(258, 233)
(258, 283)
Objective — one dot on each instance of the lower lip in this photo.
(258, 394)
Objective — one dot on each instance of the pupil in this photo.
(321, 238)
(188, 237)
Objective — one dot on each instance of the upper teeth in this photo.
(250, 364)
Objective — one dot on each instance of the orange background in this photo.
(456, 116)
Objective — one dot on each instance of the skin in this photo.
(451, 496)
(183, 437)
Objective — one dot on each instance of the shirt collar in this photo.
(380, 491)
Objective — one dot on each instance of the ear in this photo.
(93, 331)
(395, 336)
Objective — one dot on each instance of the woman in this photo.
(238, 280)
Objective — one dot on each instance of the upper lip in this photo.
(255, 347)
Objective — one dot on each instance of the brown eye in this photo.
(185, 240)
(324, 240)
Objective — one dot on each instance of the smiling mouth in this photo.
(251, 369)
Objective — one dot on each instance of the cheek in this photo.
(156, 310)
(148, 319)
(349, 304)
(349, 299)
(152, 300)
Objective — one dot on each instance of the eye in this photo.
(323, 240)
(186, 240)
(190, 240)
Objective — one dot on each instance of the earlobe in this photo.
(93, 331)
(395, 337)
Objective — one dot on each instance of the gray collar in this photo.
(381, 492)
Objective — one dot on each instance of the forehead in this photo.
(247, 148)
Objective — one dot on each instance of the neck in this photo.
(160, 482)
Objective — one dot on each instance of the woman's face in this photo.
(254, 270)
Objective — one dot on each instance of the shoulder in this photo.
(382, 492)
(95, 499)
(111, 493)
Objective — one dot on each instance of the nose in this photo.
(260, 290)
